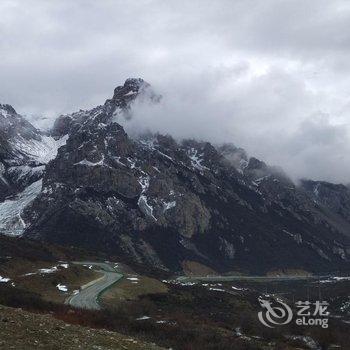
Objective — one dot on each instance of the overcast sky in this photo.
(271, 76)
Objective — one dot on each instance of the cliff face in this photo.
(165, 203)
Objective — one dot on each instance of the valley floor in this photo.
(138, 311)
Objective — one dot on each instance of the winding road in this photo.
(87, 298)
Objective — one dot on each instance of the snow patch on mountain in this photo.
(62, 287)
(143, 204)
(196, 159)
(11, 222)
(4, 279)
(40, 151)
(2, 171)
(88, 163)
(169, 205)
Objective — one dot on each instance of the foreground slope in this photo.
(24, 330)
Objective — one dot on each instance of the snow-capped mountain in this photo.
(114, 110)
(168, 204)
(24, 152)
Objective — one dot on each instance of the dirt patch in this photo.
(288, 272)
(131, 287)
(193, 268)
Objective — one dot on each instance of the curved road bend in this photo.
(88, 295)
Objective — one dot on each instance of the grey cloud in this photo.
(270, 76)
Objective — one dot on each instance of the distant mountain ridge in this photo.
(166, 203)
(24, 152)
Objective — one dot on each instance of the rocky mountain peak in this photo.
(131, 87)
(124, 95)
(234, 155)
(256, 164)
(163, 202)
(135, 84)
(13, 125)
(6, 108)
(114, 108)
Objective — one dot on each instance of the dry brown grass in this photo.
(20, 329)
(288, 272)
(127, 290)
(25, 274)
(193, 268)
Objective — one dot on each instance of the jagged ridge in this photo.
(165, 203)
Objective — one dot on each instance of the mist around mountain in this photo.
(173, 205)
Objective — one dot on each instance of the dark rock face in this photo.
(334, 197)
(119, 104)
(235, 156)
(13, 125)
(161, 202)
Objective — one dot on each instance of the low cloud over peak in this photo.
(269, 76)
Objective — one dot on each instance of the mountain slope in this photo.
(163, 203)
(19, 326)
(24, 152)
(166, 203)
